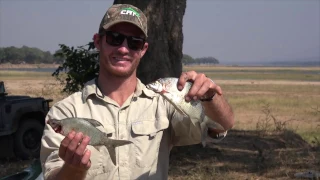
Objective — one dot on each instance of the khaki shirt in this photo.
(146, 119)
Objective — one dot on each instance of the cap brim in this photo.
(106, 26)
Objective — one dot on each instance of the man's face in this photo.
(120, 60)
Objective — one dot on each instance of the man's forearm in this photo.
(67, 172)
(220, 111)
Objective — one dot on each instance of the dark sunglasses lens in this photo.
(135, 43)
(114, 39)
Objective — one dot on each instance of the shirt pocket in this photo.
(147, 135)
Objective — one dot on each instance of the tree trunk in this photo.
(165, 38)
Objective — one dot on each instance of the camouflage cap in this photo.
(124, 13)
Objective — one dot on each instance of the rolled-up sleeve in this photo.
(50, 143)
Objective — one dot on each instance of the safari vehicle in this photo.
(22, 120)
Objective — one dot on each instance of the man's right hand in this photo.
(73, 151)
(76, 157)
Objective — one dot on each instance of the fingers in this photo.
(79, 152)
(199, 87)
(184, 77)
(219, 90)
(73, 150)
(85, 161)
(202, 86)
(65, 143)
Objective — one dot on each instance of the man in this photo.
(127, 110)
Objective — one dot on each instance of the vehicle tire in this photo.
(27, 140)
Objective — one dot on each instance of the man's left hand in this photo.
(202, 88)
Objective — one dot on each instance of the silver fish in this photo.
(88, 127)
(167, 87)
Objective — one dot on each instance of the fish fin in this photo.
(111, 144)
(112, 154)
(168, 97)
(94, 123)
(182, 112)
(204, 133)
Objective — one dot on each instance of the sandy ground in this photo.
(20, 85)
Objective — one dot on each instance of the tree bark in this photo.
(165, 38)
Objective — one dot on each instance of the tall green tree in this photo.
(25, 54)
(187, 59)
(47, 57)
(207, 60)
(80, 65)
(2, 55)
(14, 54)
(163, 58)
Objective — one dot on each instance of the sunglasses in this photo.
(116, 39)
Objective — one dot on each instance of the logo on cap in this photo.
(130, 11)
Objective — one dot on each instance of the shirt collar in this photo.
(91, 88)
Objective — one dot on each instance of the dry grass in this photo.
(276, 135)
(47, 88)
(33, 84)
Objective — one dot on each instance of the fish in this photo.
(88, 127)
(167, 88)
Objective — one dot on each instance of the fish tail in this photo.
(111, 144)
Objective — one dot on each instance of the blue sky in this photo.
(229, 30)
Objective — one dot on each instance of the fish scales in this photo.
(167, 87)
(192, 109)
(85, 127)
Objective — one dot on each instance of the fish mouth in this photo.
(57, 129)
